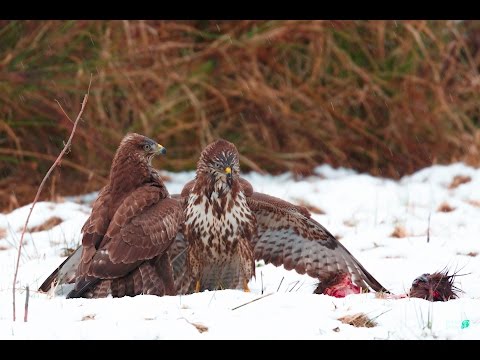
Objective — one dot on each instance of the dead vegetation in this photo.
(200, 327)
(445, 207)
(47, 225)
(358, 320)
(475, 203)
(471, 253)
(88, 317)
(67, 251)
(399, 232)
(459, 180)
(384, 97)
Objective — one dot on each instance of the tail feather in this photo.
(64, 273)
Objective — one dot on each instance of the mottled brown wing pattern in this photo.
(131, 238)
(187, 188)
(286, 236)
(178, 258)
(151, 277)
(99, 219)
(142, 228)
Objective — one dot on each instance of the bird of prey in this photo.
(228, 226)
(132, 224)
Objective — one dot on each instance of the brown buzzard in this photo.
(228, 226)
(133, 222)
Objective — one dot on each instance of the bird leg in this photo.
(245, 285)
(197, 286)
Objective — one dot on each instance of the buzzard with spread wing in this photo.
(228, 226)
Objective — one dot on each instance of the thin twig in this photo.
(57, 161)
(283, 277)
(261, 278)
(27, 297)
(68, 117)
(293, 287)
(251, 301)
(428, 229)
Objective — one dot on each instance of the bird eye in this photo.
(146, 147)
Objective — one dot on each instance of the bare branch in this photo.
(27, 298)
(42, 184)
(251, 301)
(280, 283)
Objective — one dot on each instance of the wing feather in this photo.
(142, 228)
(143, 236)
(288, 236)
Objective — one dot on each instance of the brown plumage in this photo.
(228, 226)
(133, 222)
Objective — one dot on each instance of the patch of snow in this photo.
(363, 211)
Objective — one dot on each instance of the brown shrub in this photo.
(385, 97)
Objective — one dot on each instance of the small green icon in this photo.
(465, 324)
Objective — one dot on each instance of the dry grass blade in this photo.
(251, 301)
(27, 299)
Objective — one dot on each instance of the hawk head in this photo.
(219, 161)
(139, 147)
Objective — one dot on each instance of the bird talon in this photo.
(245, 286)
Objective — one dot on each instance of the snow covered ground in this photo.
(362, 211)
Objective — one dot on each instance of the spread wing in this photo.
(142, 228)
(288, 236)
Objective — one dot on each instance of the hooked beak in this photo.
(228, 171)
(161, 150)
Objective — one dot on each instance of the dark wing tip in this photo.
(47, 284)
(81, 286)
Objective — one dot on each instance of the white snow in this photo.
(361, 210)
